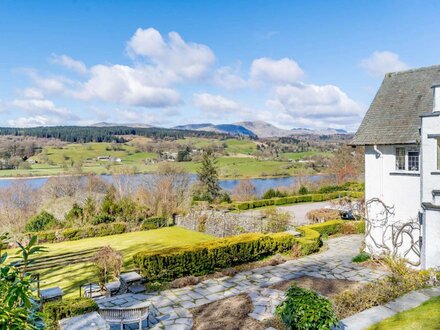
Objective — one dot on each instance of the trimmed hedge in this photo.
(57, 310)
(207, 257)
(295, 199)
(72, 234)
(154, 223)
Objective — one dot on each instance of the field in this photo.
(238, 161)
(70, 277)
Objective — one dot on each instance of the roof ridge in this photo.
(425, 68)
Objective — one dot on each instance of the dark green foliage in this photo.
(184, 155)
(205, 258)
(57, 310)
(102, 218)
(225, 198)
(72, 234)
(83, 134)
(154, 223)
(361, 257)
(348, 186)
(40, 222)
(109, 204)
(272, 193)
(208, 176)
(303, 190)
(75, 213)
(306, 310)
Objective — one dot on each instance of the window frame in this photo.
(407, 160)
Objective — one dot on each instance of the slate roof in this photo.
(394, 114)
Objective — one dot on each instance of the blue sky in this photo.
(292, 63)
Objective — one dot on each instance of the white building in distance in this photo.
(401, 135)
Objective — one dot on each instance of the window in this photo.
(438, 154)
(413, 160)
(400, 159)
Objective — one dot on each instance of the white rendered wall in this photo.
(430, 181)
(397, 189)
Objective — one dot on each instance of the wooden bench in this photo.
(126, 315)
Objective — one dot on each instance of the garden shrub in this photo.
(303, 190)
(306, 310)
(322, 215)
(56, 310)
(361, 257)
(154, 223)
(102, 218)
(41, 221)
(72, 234)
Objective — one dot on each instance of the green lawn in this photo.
(426, 316)
(70, 277)
(301, 155)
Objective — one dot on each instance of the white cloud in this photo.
(69, 63)
(32, 93)
(40, 120)
(188, 60)
(41, 108)
(127, 85)
(317, 106)
(275, 71)
(215, 103)
(380, 63)
(229, 78)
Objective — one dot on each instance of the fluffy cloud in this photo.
(229, 78)
(275, 71)
(127, 85)
(69, 63)
(33, 121)
(188, 60)
(380, 63)
(41, 110)
(214, 103)
(318, 106)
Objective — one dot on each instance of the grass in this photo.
(425, 316)
(301, 155)
(69, 278)
(239, 164)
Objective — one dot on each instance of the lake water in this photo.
(261, 185)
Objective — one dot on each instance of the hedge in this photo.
(72, 234)
(207, 257)
(154, 223)
(57, 310)
(295, 199)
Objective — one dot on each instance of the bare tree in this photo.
(244, 191)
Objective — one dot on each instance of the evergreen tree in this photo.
(208, 175)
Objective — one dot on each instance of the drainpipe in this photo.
(379, 154)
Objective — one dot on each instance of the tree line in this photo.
(85, 134)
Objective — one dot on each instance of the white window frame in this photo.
(407, 158)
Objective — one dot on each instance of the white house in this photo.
(401, 135)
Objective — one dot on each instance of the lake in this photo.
(261, 184)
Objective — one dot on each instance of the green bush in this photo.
(303, 190)
(72, 234)
(154, 223)
(361, 257)
(207, 257)
(56, 310)
(271, 193)
(40, 222)
(102, 218)
(306, 310)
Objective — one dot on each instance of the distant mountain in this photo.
(264, 129)
(324, 131)
(223, 128)
(105, 124)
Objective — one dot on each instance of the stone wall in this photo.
(221, 223)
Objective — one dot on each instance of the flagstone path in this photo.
(170, 308)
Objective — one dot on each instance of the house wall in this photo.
(398, 190)
(430, 181)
